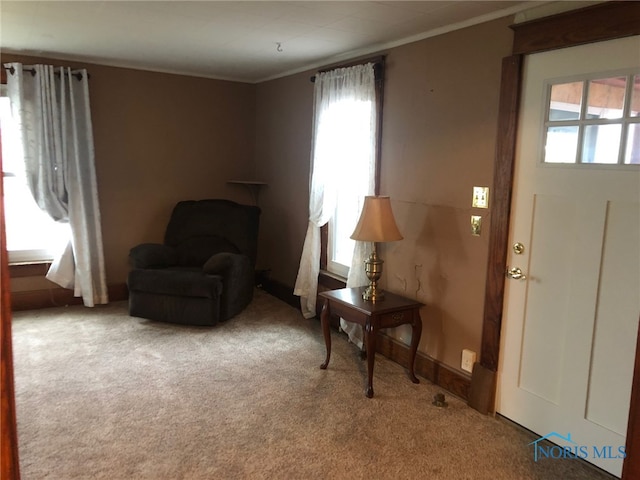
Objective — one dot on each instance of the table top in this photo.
(353, 298)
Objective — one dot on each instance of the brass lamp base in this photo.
(373, 269)
(373, 294)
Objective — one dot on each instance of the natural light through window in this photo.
(348, 124)
(31, 234)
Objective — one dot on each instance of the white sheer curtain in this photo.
(51, 107)
(343, 152)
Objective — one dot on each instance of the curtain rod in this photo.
(32, 71)
(378, 65)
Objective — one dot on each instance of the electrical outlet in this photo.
(468, 359)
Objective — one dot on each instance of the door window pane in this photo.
(632, 152)
(566, 99)
(562, 144)
(635, 97)
(601, 144)
(606, 97)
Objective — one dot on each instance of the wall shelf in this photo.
(253, 186)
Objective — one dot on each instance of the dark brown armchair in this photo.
(204, 272)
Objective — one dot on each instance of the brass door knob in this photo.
(515, 273)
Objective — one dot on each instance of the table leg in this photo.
(370, 333)
(325, 321)
(416, 332)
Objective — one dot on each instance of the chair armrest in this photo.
(153, 255)
(220, 263)
(238, 279)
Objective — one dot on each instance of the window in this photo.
(594, 121)
(354, 176)
(32, 236)
(353, 180)
(347, 101)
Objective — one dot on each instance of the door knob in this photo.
(515, 273)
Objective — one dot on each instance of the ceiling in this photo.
(239, 40)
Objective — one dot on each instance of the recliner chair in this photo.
(204, 273)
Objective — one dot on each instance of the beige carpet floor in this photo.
(101, 395)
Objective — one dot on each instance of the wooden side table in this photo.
(393, 311)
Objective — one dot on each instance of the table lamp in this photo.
(376, 224)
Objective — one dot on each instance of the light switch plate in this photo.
(476, 225)
(480, 197)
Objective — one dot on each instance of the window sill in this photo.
(331, 280)
(33, 269)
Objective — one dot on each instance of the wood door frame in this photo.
(9, 462)
(601, 22)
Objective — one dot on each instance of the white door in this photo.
(571, 316)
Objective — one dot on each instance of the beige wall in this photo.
(284, 115)
(439, 131)
(161, 138)
(440, 121)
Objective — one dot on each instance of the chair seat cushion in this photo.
(175, 281)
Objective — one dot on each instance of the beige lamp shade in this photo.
(376, 223)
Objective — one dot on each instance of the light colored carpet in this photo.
(101, 395)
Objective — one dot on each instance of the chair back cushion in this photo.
(199, 229)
